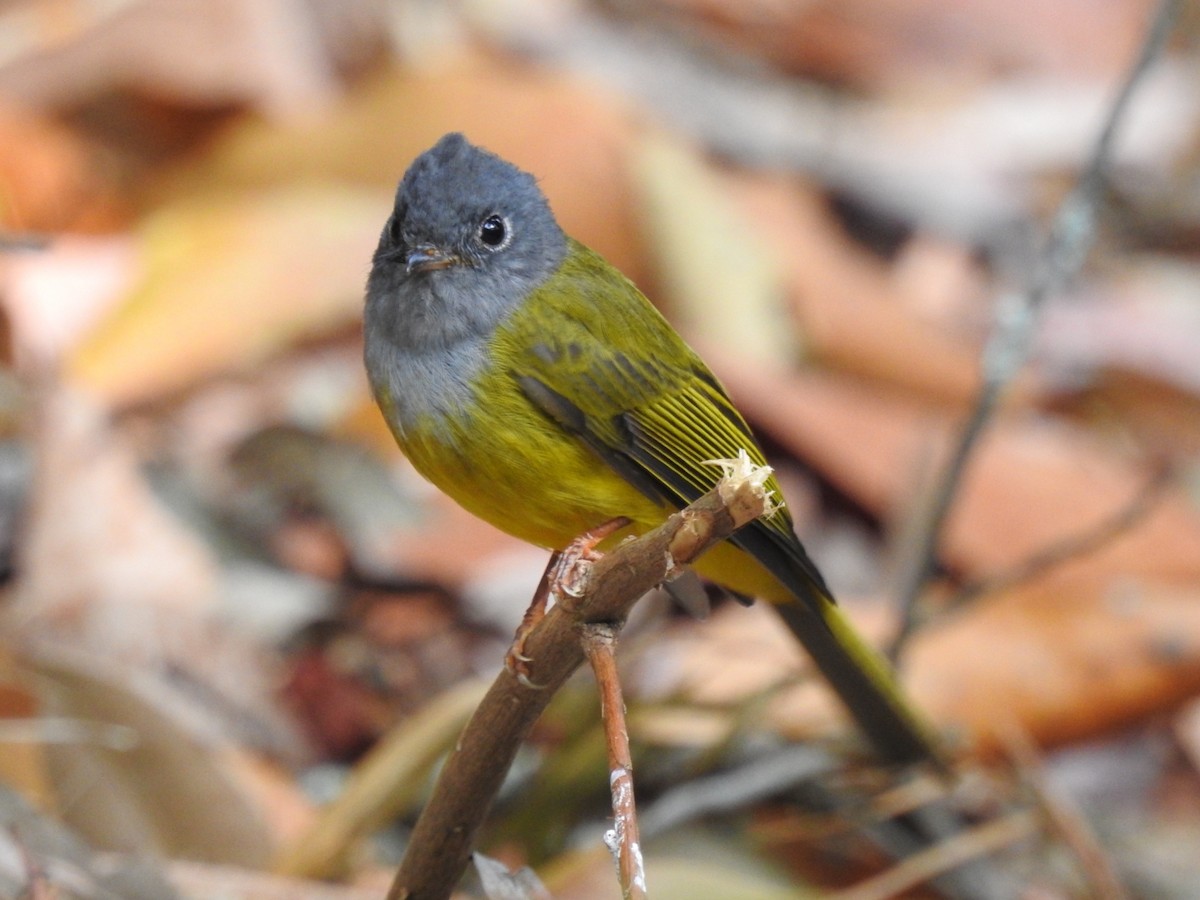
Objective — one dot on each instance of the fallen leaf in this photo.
(168, 794)
(227, 280)
(51, 180)
(850, 314)
(1165, 418)
(198, 879)
(44, 859)
(55, 296)
(201, 53)
(1067, 659)
(22, 764)
(103, 564)
(718, 279)
(108, 573)
(385, 783)
(877, 43)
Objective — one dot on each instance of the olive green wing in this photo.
(592, 354)
(610, 370)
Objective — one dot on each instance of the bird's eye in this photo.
(493, 231)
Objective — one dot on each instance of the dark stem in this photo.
(1066, 247)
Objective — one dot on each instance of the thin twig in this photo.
(1071, 547)
(1066, 247)
(1062, 815)
(939, 859)
(599, 645)
(442, 839)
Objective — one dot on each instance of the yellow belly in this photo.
(509, 464)
(545, 488)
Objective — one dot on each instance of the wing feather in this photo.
(650, 409)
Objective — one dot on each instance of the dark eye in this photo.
(493, 231)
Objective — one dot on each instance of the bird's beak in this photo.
(427, 258)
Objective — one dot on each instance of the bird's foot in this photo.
(565, 575)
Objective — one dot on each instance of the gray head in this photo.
(470, 236)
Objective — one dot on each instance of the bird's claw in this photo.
(518, 663)
(525, 681)
(566, 575)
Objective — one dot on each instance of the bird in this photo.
(534, 384)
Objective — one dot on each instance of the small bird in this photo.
(533, 383)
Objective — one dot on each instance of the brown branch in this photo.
(599, 645)
(442, 839)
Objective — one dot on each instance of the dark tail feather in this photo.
(862, 679)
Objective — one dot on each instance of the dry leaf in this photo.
(103, 564)
(385, 783)
(50, 179)
(1165, 418)
(1067, 659)
(880, 43)
(169, 793)
(851, 315)
(108, 573)
(229, 279)
(199, 52)
(22, 764)
(201, 880)
(45, 861)
(719, 281)
(55, 296)
(701, 867)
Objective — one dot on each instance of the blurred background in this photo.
(227, 597)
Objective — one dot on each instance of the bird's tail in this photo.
(862, 679)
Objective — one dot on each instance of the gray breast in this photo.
(430, 384)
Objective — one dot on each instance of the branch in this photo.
(443, 837)
(1067, 245)
(624, 841)
(1071, 547)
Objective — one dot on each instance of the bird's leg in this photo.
(515, 660)
(564, 574)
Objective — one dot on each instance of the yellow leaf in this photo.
(227, 281)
